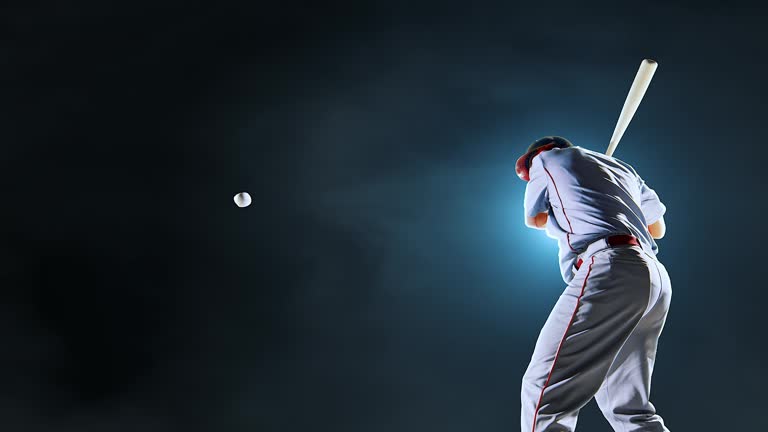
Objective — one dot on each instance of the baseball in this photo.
(243, 199)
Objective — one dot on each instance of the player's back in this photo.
(594, 195)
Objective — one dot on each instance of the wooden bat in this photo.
(636, 93)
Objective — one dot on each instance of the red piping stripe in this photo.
(568, 239)
(567, 235)
(552, 369)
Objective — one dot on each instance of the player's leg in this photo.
(590, 322)
(624, 396)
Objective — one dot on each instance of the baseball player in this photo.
(600, 339)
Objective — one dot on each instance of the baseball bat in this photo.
(636, 93)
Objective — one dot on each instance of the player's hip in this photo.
(617, 255)
(619, 275)
(609, 247)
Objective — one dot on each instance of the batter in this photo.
(600, 339)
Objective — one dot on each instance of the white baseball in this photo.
(243, 199)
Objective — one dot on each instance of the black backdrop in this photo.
(382, 280)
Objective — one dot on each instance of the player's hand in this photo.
(658, 228)
(539, 221)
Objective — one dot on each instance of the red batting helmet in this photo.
(542, 144)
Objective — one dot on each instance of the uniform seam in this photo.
(658, 272)
(562, 207)
(650, 287)
(562, 341)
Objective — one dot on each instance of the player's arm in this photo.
(658, 228)
(536, 197)
(539, 221)
(653, 210)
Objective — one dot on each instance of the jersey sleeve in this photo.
(536, 197)
(652, 207)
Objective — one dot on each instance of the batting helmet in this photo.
(542, 144)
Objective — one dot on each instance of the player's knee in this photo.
(525, 383)
(531, 376)
(528, 385)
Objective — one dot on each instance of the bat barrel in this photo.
(634, 97)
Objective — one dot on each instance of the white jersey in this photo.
(589, 196)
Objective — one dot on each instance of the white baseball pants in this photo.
(600, 341)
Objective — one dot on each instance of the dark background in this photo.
(383, 279)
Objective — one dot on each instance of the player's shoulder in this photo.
(565, 153)
(629, 167)
(581, 151)
(604, 158)
(580, 156)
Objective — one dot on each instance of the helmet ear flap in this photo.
(523, 164)
(521, 167)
